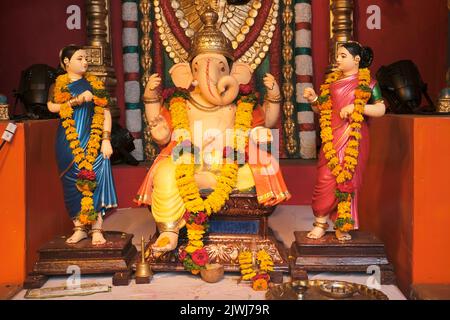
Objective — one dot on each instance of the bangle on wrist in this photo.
(73, 102)
(106, 135)
(151, 100)
(273, 100)
(315, 102)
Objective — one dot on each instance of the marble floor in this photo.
(182, 286)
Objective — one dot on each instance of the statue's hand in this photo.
(347, 111)
(159, 129)
(309, 94)
(153, 83)
(106, 149)
(273, 89)
(261, 135)
(86, 96)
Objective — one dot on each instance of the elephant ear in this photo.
(181, 75)
(242, 72)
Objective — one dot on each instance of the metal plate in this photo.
(321, 290)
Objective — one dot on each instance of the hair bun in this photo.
(366, 57)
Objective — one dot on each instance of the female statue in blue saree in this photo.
(83, 145)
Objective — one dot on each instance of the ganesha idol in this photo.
(213, 133)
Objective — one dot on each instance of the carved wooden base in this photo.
(330, 255)
(115, 256)
(224, 249)
(241, 223)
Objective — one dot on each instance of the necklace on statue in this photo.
(202, 107)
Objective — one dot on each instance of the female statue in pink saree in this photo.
(348, 97)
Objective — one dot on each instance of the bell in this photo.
(143, 272)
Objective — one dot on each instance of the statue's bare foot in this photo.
(318, 231)
(97, 237)
(167, 241)
(77, 236)
(343, 236)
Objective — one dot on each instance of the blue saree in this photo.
(105, 193)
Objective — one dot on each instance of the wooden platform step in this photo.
(361, 254)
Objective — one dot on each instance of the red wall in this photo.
(410, 29)
(35, 31)
(320, 39)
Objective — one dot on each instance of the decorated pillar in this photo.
(98, 48)
(130, 43)
(341, 25)
(150, 148)
(289, 111)
(304, 78)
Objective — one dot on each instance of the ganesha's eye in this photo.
(222, 69)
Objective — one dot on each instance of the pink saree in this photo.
(324, 202)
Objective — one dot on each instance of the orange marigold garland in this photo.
(194, 256)
(260, 279)
(343, 171)
(86, 179)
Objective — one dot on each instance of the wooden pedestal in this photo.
(330, 255)
(224, 247)
(113, 257)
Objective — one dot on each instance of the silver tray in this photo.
(323, 290)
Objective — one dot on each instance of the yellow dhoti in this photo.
(167, 204)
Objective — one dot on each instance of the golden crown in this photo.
(210, 39)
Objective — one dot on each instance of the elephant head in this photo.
(217, 83)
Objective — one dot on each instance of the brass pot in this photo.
(213, 273)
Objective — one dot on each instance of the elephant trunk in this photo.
(222, 93)
(228, 88)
